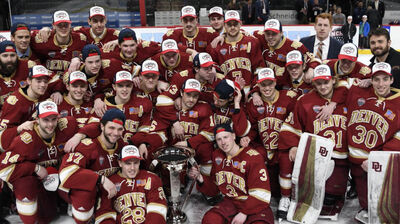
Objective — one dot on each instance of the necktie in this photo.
(319, 50)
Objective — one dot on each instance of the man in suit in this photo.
(380, 6)
(322, 45)
(262, 11)
(348, 30)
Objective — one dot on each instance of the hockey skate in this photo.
(283, 208)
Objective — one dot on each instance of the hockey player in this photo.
(19, 107)
(304, 119)
(372, 126)
(295, 68)
(216, 19)
(25, 162)
(239, 55)
(147, 202)
(266, 121)
(21, 36)
(241, 176)
(90, 165)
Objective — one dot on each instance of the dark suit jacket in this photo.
(381, 8)
(334, 46)
(245, 13)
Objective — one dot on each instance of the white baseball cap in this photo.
(192, 85)
(216, 10)
(203, 60)
(51, 181)
(61, 17)
(150, 66)
(169, 45)
(265, 74)
(294, 57)
(122, 76)
(382, 67)
(349, 51)
(232, 15)
(96, 11)
(47, 108)
(188, 11)
(77, 76)
(38, 71)
(273, 25)
(322, 72)
(129, 152)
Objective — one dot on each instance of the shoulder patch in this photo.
(296, 44)
(105, 63)
(291, 94)
(62, 123)
(252, 152)
(12, 100)
(220, 76)
(365, 70)
(184, 73)
(77, 28)
(82, 36)
(210, 30)
(26, 138)
(116, 33)
(31, 64)
(145, 43)
(169, 32)
(260, 32)
(279, 71)
(38, 40)
(86, 141)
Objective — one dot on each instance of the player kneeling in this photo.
(140, 197)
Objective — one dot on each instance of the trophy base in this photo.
(178, 218)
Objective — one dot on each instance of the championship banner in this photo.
(313, 165)
(384, 187)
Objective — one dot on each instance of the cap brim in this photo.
(382, 72)
(322, 77)
(191, 90)
(188, 15)
(207, 64)
(238, 20)
(75, 80)
(40, 75)
(273, 79)
(62, 21)
(150, 72)
(131, 157)
(48, 114)
(97, 15)
(123, 80)
(273, 30)
(170, 50)
(215, 14)
(343, 56)
(294, 62)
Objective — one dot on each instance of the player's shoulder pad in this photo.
(82, 37)
(291, 94)
(210, 30)
(12, 100)
(105, 63)
(26, 137)
(62, 123)
(365, 70)
(220, 76)
(169, 32)
(259, 32)
(146, 43)
(31, 63)
(252, 152)
(116, 33)
(296, 44)
(77, 28)
(87, 141)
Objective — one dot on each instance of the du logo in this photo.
(376, 166)
(323, 151)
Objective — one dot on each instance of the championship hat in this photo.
(129, 152)
(227, 126)
(348, 51)
(382, 67)
(188, 11)
(273, 25)
(126, 34)
(203, 60)
(169, 45)
(232, 15)
(122, 76)
(90, 50)
(216, 11)
(265, 74)
(225, 89)
(322, 72)
(7, 46)
(114, 115)
(294, 57)
(19, 26)
(61, 17)
(38, 71)
(51, 181)
(191, 85)
(77, 76)
(150, 66)
(46, 108)
(96, 11)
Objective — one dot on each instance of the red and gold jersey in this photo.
(373, 122)
(239, 59)
(108, 34)
(243, 178)
(275, 58)
(304, 119)
(138, 200)
(145, 50)
(152, 96)
(58, 57)
(238, 117)
(299, 86)
(80, 169)
(29, 149)
(9, 84)
(185, 62)
(267, 120)
(359, 71)
(199, 42)
(80, 112)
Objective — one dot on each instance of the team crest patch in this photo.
(243, 47)
(236, 164)
(101, 160)
(360, 101)
(75, 53)
(202, 44)
(140, 182)
(60, 147)
(118, 186)
(281, 110)
(23, 84)
(390, 115)
(133, 110)
(86, 109)
(281, 57)
(193, 114)
(345, 110)
(52, 54)
(223, 51)
(218, 160)
(64, 113)
(261, 110)
(316, 108)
